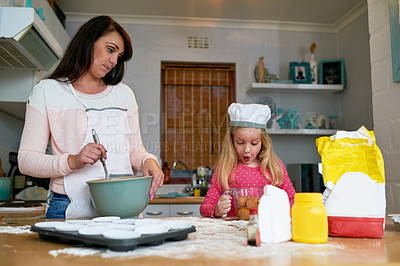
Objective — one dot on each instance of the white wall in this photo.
(154, 44)
(385, 99)
(243, 46)
(356, 99)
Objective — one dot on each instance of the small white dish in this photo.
(47, 224)
(147, 221)
(123, 226)
(177, 224)
(92, 231)
(106, 219)
(66, 227)
(152, 229)
(121, 234)
(125, 221)
(79, 221)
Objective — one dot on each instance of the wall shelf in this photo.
(294, 88)
(320, 132)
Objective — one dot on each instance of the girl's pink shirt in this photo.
(245, 176)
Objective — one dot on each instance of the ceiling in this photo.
(326, 12)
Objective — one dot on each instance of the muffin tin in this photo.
(97, 240)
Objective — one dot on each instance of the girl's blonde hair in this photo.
(227, 161)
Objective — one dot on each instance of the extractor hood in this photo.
(27, 42)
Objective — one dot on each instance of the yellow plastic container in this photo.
(309, 220)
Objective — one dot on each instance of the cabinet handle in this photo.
(153, 213)
(184, 213)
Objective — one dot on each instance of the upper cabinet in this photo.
(32, 36)
(32, 41)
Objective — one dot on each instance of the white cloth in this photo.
(249, 115)
(274, 216)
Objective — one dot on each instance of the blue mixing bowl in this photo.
(125, 196)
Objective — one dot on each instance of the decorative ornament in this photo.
(313, 65)
(261, 74)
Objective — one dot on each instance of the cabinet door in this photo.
(185, 210)
(156, 210)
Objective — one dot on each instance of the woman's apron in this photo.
(111, 125)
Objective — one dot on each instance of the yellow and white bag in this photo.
(354, 177)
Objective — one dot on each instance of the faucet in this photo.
(187, 169)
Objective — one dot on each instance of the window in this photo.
(195, 100)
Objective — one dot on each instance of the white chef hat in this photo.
(249, 115)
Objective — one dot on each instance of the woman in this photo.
(83, 93)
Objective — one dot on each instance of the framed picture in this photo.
(300, 72)
(332, 72)
(395, 38)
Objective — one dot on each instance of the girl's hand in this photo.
(223, 205)
(151, 167)
(89, 154)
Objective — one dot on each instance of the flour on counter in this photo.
(24, 229)
(76, 251)
(214, 238)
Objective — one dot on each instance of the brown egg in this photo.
(242, 201)
(252, 202)
(243, 213)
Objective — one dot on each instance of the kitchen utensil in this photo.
(113, 242)
(103, 162)
(246, 198)
(125, 197)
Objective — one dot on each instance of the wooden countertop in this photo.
(216, 242)
(178, 200)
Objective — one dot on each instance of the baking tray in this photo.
(98, 241)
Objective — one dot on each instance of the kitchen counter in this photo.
(216, 242)
(178, 200)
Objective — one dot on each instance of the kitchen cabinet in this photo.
(319, 93)
(184, 210)
(16, 88)
(156, 211)
(171, 210)
(31, 46)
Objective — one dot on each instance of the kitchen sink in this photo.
(173, 195)
(172, 191)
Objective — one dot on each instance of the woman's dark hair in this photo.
(78, 55)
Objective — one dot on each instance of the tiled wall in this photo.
(385, 99)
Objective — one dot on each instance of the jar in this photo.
(309, 219)
(253, 230)
(311, 122)
(332, 121)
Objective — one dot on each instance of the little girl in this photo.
(247, 160)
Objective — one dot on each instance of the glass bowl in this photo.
(246, 198)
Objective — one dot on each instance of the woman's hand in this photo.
(223, 205)
(89, 154)
(151, 167)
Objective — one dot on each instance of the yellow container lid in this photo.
(309, 196)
